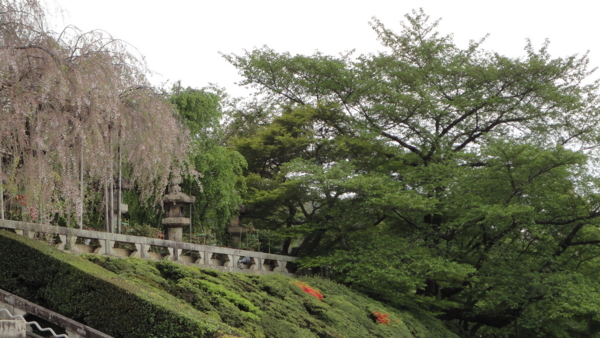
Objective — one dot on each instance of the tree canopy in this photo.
(68, 102)
(456, 178)
(221, 181)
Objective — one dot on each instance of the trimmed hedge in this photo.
(138, 298)
(85, 292)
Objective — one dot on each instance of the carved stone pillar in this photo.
(138, 251)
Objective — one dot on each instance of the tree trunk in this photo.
(1, 192)
(80, 220)
(311, 241)
(119, 191)
(106, 213)
(191, 220)
(111, 197)
(286, 246)
(111, 181)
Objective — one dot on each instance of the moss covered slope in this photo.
(138, 298)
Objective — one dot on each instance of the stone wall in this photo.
(12, 329)
(20, 307)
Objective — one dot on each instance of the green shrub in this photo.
(100, 298)
(139, 298)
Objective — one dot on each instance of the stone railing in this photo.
(104, 243)
(20, 307)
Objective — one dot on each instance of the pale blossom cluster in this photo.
(69, 102)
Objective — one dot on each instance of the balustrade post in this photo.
(71, 240)
(109, 245)
(211, 260)
(231, 262)
(262, 264)
(145, 251)
(98, 250)
(176, 254)
(73, 334)
(197, 260)
(170, 255)
(138, 251)
(281, 266)
(63, 242)
(13, 310)
(13, 328)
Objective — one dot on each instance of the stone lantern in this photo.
(236, 229)
(174, 203)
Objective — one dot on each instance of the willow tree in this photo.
(69, 101)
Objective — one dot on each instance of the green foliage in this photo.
(137, 298)
(218, 169)
(200, 110)
(368, 266)
(90, 294)
(217, 197)
(141, 213)
(454, 178)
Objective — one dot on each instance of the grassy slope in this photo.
(137, 298)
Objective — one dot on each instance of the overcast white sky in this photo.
(181, 39)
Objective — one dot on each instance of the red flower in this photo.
(382, 318)
(160, 235)
(21, 199)
(306, 288)
(33, 213)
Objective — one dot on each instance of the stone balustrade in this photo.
(117, 245)
(20, 307)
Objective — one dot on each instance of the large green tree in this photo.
(456, 178)
(216, 178)
(217, 189)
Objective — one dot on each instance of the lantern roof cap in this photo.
(179, 197)
(175, 194)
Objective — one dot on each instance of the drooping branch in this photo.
(58, 96)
